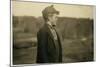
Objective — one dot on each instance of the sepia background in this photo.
(75, 25)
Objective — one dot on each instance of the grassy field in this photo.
(73, 51)
(76, 35)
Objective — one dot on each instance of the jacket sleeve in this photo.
(42, 38)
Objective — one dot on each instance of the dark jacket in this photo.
(46, 50)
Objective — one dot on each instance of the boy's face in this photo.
(53, 19)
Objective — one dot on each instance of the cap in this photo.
(49, 10)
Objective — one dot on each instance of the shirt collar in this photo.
(50, 25)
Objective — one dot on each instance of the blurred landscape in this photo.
(76, 36)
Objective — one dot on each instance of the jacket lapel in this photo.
(51, 35)
(49, 32)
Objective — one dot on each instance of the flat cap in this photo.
(50, 10)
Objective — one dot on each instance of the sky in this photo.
(22, 8)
